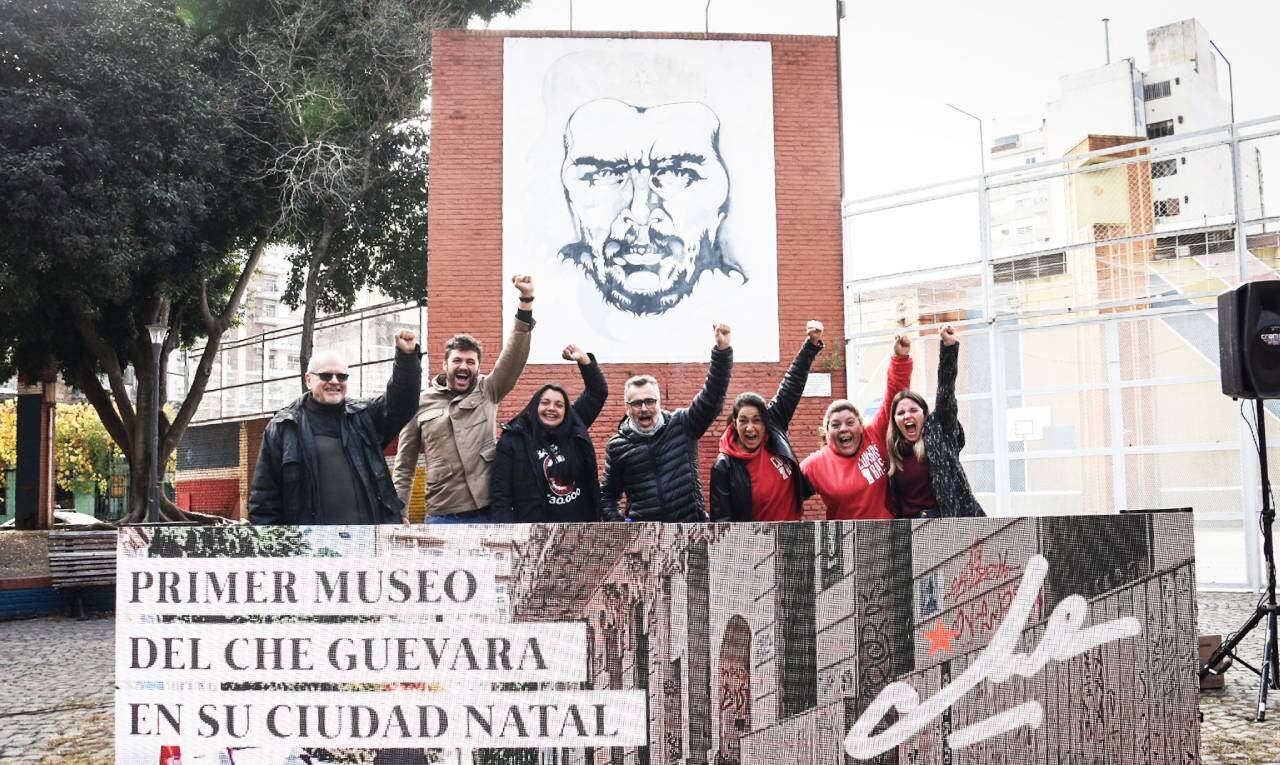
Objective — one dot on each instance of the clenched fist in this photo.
(948, 335)
(406, 341)
(813, 328)
(524, 283)
(902, 345)
(574, 353)
(724, 335)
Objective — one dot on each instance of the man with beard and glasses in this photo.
(647, 190)
(321, 461)
(456, 421)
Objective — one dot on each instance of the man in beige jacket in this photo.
(456, 420)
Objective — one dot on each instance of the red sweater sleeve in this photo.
(898, 379)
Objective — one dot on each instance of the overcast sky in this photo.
(999, 59)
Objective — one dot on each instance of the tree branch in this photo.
(101, 402)
(111, 365)
(215, 330)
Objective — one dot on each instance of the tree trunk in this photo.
(311, 294)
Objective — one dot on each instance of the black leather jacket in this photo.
(285, 482)
(659, 472)
(730, 480)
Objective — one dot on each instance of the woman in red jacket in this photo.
(850, 471)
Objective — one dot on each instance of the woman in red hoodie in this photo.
(850, 471)
(757, 476)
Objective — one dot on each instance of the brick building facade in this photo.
(466, 238)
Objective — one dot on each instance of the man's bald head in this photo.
(327, 364)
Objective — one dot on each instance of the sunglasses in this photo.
(327, 376)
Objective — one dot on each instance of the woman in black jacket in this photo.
(545, 467)
(757, 476)
(926, 479)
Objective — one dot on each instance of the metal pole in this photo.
(706, 18)
(1231, 86)
(840, 95)
(157, 333)
(982, 141)
(1106, 34)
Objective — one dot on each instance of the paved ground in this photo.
(69, 721)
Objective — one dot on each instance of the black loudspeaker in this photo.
(1249, 340)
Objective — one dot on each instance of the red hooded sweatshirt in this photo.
(773, 495)
(857, 488)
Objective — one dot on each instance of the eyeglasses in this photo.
(641, 403)
(327, 376)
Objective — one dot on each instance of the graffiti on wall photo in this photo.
(638, 190)
(985, 641)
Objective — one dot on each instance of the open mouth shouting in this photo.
(909, 417)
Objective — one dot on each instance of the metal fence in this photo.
(1085, 290)
(258, 374)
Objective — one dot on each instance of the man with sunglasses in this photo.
(322, 460)
(653, 458)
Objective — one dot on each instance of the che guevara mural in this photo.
(638, 190)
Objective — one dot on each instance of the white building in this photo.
(1179, 93)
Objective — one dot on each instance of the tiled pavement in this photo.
(56, 685)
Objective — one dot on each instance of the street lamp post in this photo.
(1231, 85)
(982, 141)
(158, 333)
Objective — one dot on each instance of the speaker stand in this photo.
(1269, 674)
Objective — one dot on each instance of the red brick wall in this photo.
(465, 227)
(215, 496)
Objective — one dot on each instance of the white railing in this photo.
(1085, 290)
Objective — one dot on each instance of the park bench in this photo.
(82, 559)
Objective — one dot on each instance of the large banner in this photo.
(638, 190)
(1030, 640)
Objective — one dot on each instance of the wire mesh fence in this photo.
(1085, 291)
(257, 375)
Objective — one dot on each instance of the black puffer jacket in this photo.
(285, 481)
(518, 483)
(943, 441)
(730, 480)
(659, 472)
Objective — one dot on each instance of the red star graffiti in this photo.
(940, 638)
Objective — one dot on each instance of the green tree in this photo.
(348, 80)
(131, 175)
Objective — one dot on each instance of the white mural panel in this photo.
(638, 190)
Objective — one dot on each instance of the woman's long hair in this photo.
(899, 447)
(562, 436)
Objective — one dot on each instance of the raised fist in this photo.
(524, 283)
(902, 345)
(948, 335)
(813, 328)
(406, 341)
(572, 352)
(723, 335)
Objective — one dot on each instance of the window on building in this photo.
(1164, 168)
(1194, 245)
(1035, 267)
(1167, 208)
(1160, 129)
(1156, 90)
